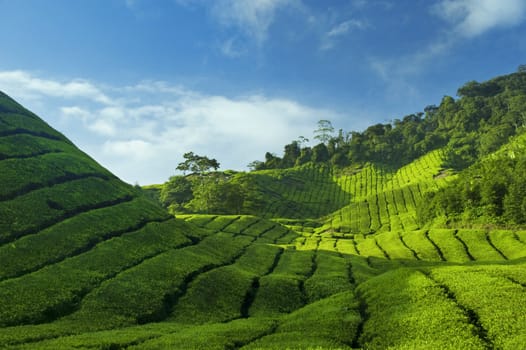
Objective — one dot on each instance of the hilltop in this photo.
(358, 248)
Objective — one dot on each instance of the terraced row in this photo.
(315, 292)
(269, 231)
(15, 119)
(253, 280)
(447, 245)
(304, 192)
(383, 200)
(56, 289)
(456, 307)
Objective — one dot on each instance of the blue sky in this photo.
(137, 83)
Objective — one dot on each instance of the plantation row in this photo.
(457, 307)
(55, 290)
(457, 246)
(385, 201)
(328, 323)
(16, 119)
(313, 291)
(46, 170)
(74, 236)
(252, 277)
(100, 281)
(23, 145)
(305, 192)
(449, 245)
(271, 231)
(43, 208)
(253, 280)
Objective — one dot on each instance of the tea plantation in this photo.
(336, 259)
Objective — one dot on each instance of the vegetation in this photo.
(407, 235)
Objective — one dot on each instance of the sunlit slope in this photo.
(355, 200)
(305, 192)
(255, 288)
(382, 199)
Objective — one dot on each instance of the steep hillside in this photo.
(334, 258)
(67, 225)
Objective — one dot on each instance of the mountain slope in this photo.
(57, 207)
(338, 262)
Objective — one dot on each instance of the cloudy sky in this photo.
(137, 83)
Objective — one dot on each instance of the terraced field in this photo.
(87, 262)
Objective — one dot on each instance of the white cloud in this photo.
(142, 135)
(31, 87)
(474, 17)
(254, 17)
(130, 149)
(75, 112)
(103, 127)
(339, 30)
(467, 19)
(344, 27)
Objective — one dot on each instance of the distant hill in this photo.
(332, 253)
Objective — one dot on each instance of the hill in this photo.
(317, 255)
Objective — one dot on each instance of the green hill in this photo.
(317, 255)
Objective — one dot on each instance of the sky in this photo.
(138, 83)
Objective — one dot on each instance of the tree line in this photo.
(469, 128)
(482, 119)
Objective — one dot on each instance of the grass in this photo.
(497, 302)
(413, 312)
(74, 236)
(421, 245)
(331, 276)
(233, 288)
(148, 291)
(452, 249)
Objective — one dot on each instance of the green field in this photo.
(335, 259)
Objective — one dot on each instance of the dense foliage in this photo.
(492, 191)
(476, 124)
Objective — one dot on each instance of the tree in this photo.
(219, 197)
(320, 153)
(305, 156)
(522, 68)
(178, 190)
(272, 161)
(197, 164)
(256, 165)
(290, 154)
(302, 140)
(324, 131)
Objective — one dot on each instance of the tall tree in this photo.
(197, 164)
(324, 131)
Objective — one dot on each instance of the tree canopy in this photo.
(197, 164)
(324, 131)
